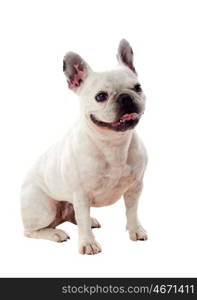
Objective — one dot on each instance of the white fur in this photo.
(91, 166)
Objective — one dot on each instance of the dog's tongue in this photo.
(126, 117)
(131, 116)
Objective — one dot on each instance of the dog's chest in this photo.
(110, 185)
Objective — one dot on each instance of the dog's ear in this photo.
(125, 54)
(75, 69)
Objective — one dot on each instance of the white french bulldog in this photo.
(96, 163)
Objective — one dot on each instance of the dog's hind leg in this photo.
(95, 223)
(38, 213)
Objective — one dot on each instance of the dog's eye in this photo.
(137, 88)
(101, 97)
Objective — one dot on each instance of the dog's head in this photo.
(112, 99)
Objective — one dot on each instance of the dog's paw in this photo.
(89, 246)
(138, 233)
(95, 223)
(60, 235)
(56, 235)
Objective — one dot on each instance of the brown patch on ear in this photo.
(77, 77)
(75, 69)
(125, 55)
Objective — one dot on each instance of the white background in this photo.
(37, 108)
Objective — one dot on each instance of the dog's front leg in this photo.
(131, 197)
(87, 242)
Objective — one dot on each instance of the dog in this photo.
(99, 160)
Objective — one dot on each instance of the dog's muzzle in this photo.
(128, 114)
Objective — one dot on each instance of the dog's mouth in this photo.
(127, 121)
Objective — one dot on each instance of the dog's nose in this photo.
(127, 104)
(124, 99)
